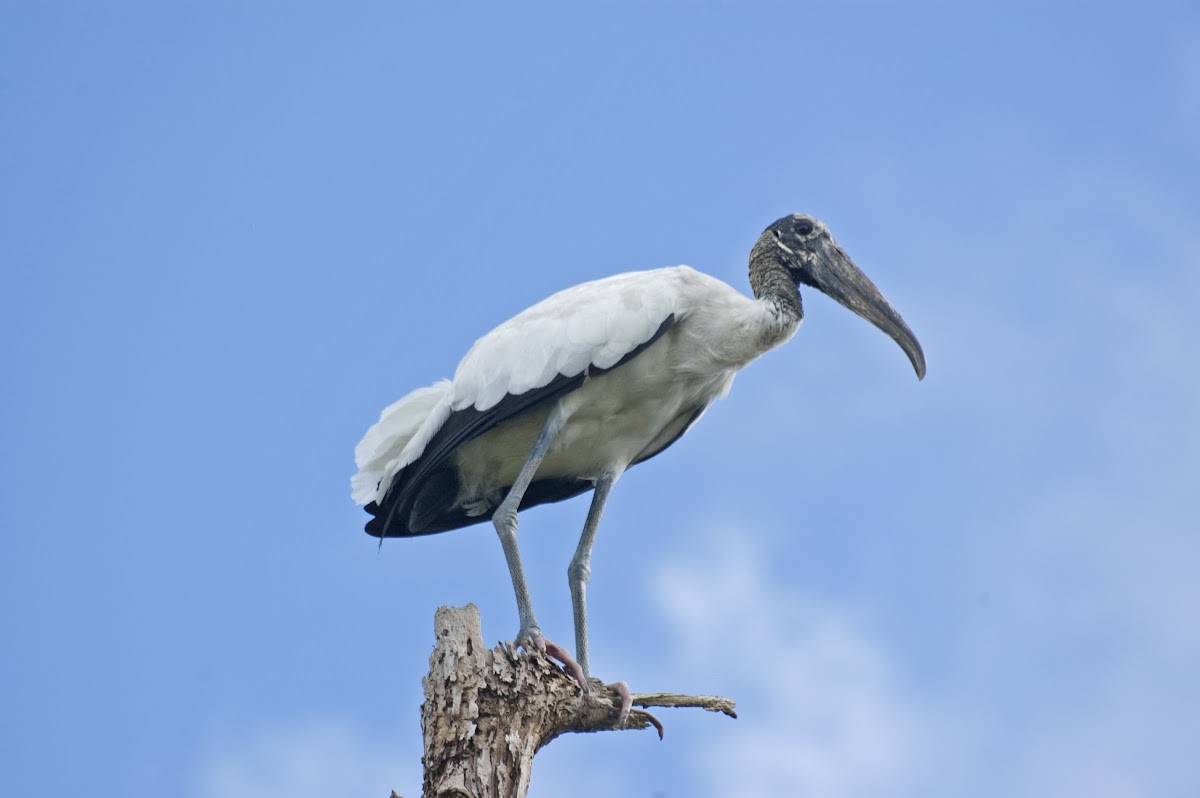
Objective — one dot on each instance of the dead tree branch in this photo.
(488, 711)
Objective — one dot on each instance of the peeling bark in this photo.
(488, 711)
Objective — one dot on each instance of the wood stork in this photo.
(567, 395)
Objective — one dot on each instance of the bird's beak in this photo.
(835, 275)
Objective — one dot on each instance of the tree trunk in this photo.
(488, 711)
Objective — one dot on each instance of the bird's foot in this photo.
(624, 699)
(572, 667)
(532, 640)
(622, 691)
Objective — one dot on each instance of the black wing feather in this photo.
(393, 516)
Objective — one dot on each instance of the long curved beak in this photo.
(835, 275)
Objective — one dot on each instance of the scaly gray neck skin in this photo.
(770, 281)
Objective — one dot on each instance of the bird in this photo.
(569, 394)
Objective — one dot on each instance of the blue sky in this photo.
(231, 233)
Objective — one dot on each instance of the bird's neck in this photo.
(771, 283)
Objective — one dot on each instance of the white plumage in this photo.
(379, 453)
(593, 324)
(588, 326)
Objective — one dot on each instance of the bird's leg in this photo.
(505, 521)
(580, 570)
(578, 573)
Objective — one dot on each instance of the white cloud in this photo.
(821, 713)
(315, 759)
(1075, 687)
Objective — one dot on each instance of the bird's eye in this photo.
(777, 235)
(804, 227)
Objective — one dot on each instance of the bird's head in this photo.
(812, 258)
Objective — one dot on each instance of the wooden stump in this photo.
(488, 711)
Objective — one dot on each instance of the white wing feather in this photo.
(386, 440)
(593, 324)
(589, 325)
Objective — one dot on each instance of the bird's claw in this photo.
(572, 667)
(622, 691)
(653, 721)
(532, 639)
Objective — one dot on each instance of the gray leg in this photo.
(505, 521)
(580, 569)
